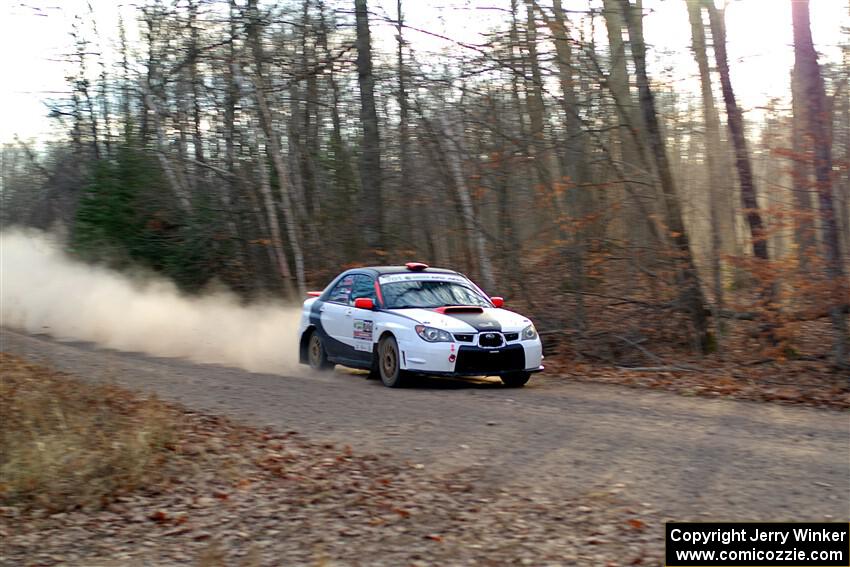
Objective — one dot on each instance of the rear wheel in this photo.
(388, 363)
(316, 355)
(516, 379)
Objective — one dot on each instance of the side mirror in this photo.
(364, 303)
(497, 301)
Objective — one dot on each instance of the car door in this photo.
(336, 317)
(363, 320)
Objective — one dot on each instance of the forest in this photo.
(264, 146)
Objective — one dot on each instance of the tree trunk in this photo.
(573, 158)
(308, 149)
(804, 227)
(232, 96)
(372, 208)
(536, 108)
(817, 122)
(151, 32)
(843, 189)
(194, 83)
(517, 70)
(631, 151)
(125, 83)
(575, 138)
(229, 192)
(82, 86)
(277, 251)
(473, 231)
(104, 82)
(405, 190)
(712, 144)
(274, 149)
(618, 80)
(177, 186)
(749, 194)
(689, 279)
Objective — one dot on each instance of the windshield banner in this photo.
(393, 278)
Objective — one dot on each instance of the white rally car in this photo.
(412, 319)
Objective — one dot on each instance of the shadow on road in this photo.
(424, 382)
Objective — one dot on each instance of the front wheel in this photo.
(388, 363)
(516, 379)
(316, 355)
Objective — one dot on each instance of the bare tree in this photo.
(276, 154)
(735, 120)
(405, 190)
(712, 144)
(371, 174)
(453, 152)
(691, 290)
(814, 107)
(804, 227)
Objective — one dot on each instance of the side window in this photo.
(341, 292)
(364, 286)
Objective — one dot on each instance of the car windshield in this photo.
(429, 294)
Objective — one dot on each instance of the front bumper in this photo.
(468, 374)
(454, 359)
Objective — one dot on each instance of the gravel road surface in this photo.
(689, 458)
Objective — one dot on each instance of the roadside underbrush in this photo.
(636, 343)
(65, 444)
(742, 370)
(769, 340)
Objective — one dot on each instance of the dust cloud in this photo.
(43, 290)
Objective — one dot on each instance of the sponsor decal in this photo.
(363, 329)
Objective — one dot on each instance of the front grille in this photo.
(511, 336)
(464, 338)
(474, 360)
(491, 340)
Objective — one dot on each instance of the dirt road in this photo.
(690, 458)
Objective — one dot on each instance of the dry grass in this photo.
(65, 444)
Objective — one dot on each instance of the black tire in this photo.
(389, 366)
(516, 380)
(316, 355)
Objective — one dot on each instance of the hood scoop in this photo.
(448, 310)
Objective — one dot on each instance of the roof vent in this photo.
(416, 266)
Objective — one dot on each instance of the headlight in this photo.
(433, 335)
(529, 333)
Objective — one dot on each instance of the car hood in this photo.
(459, 321)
